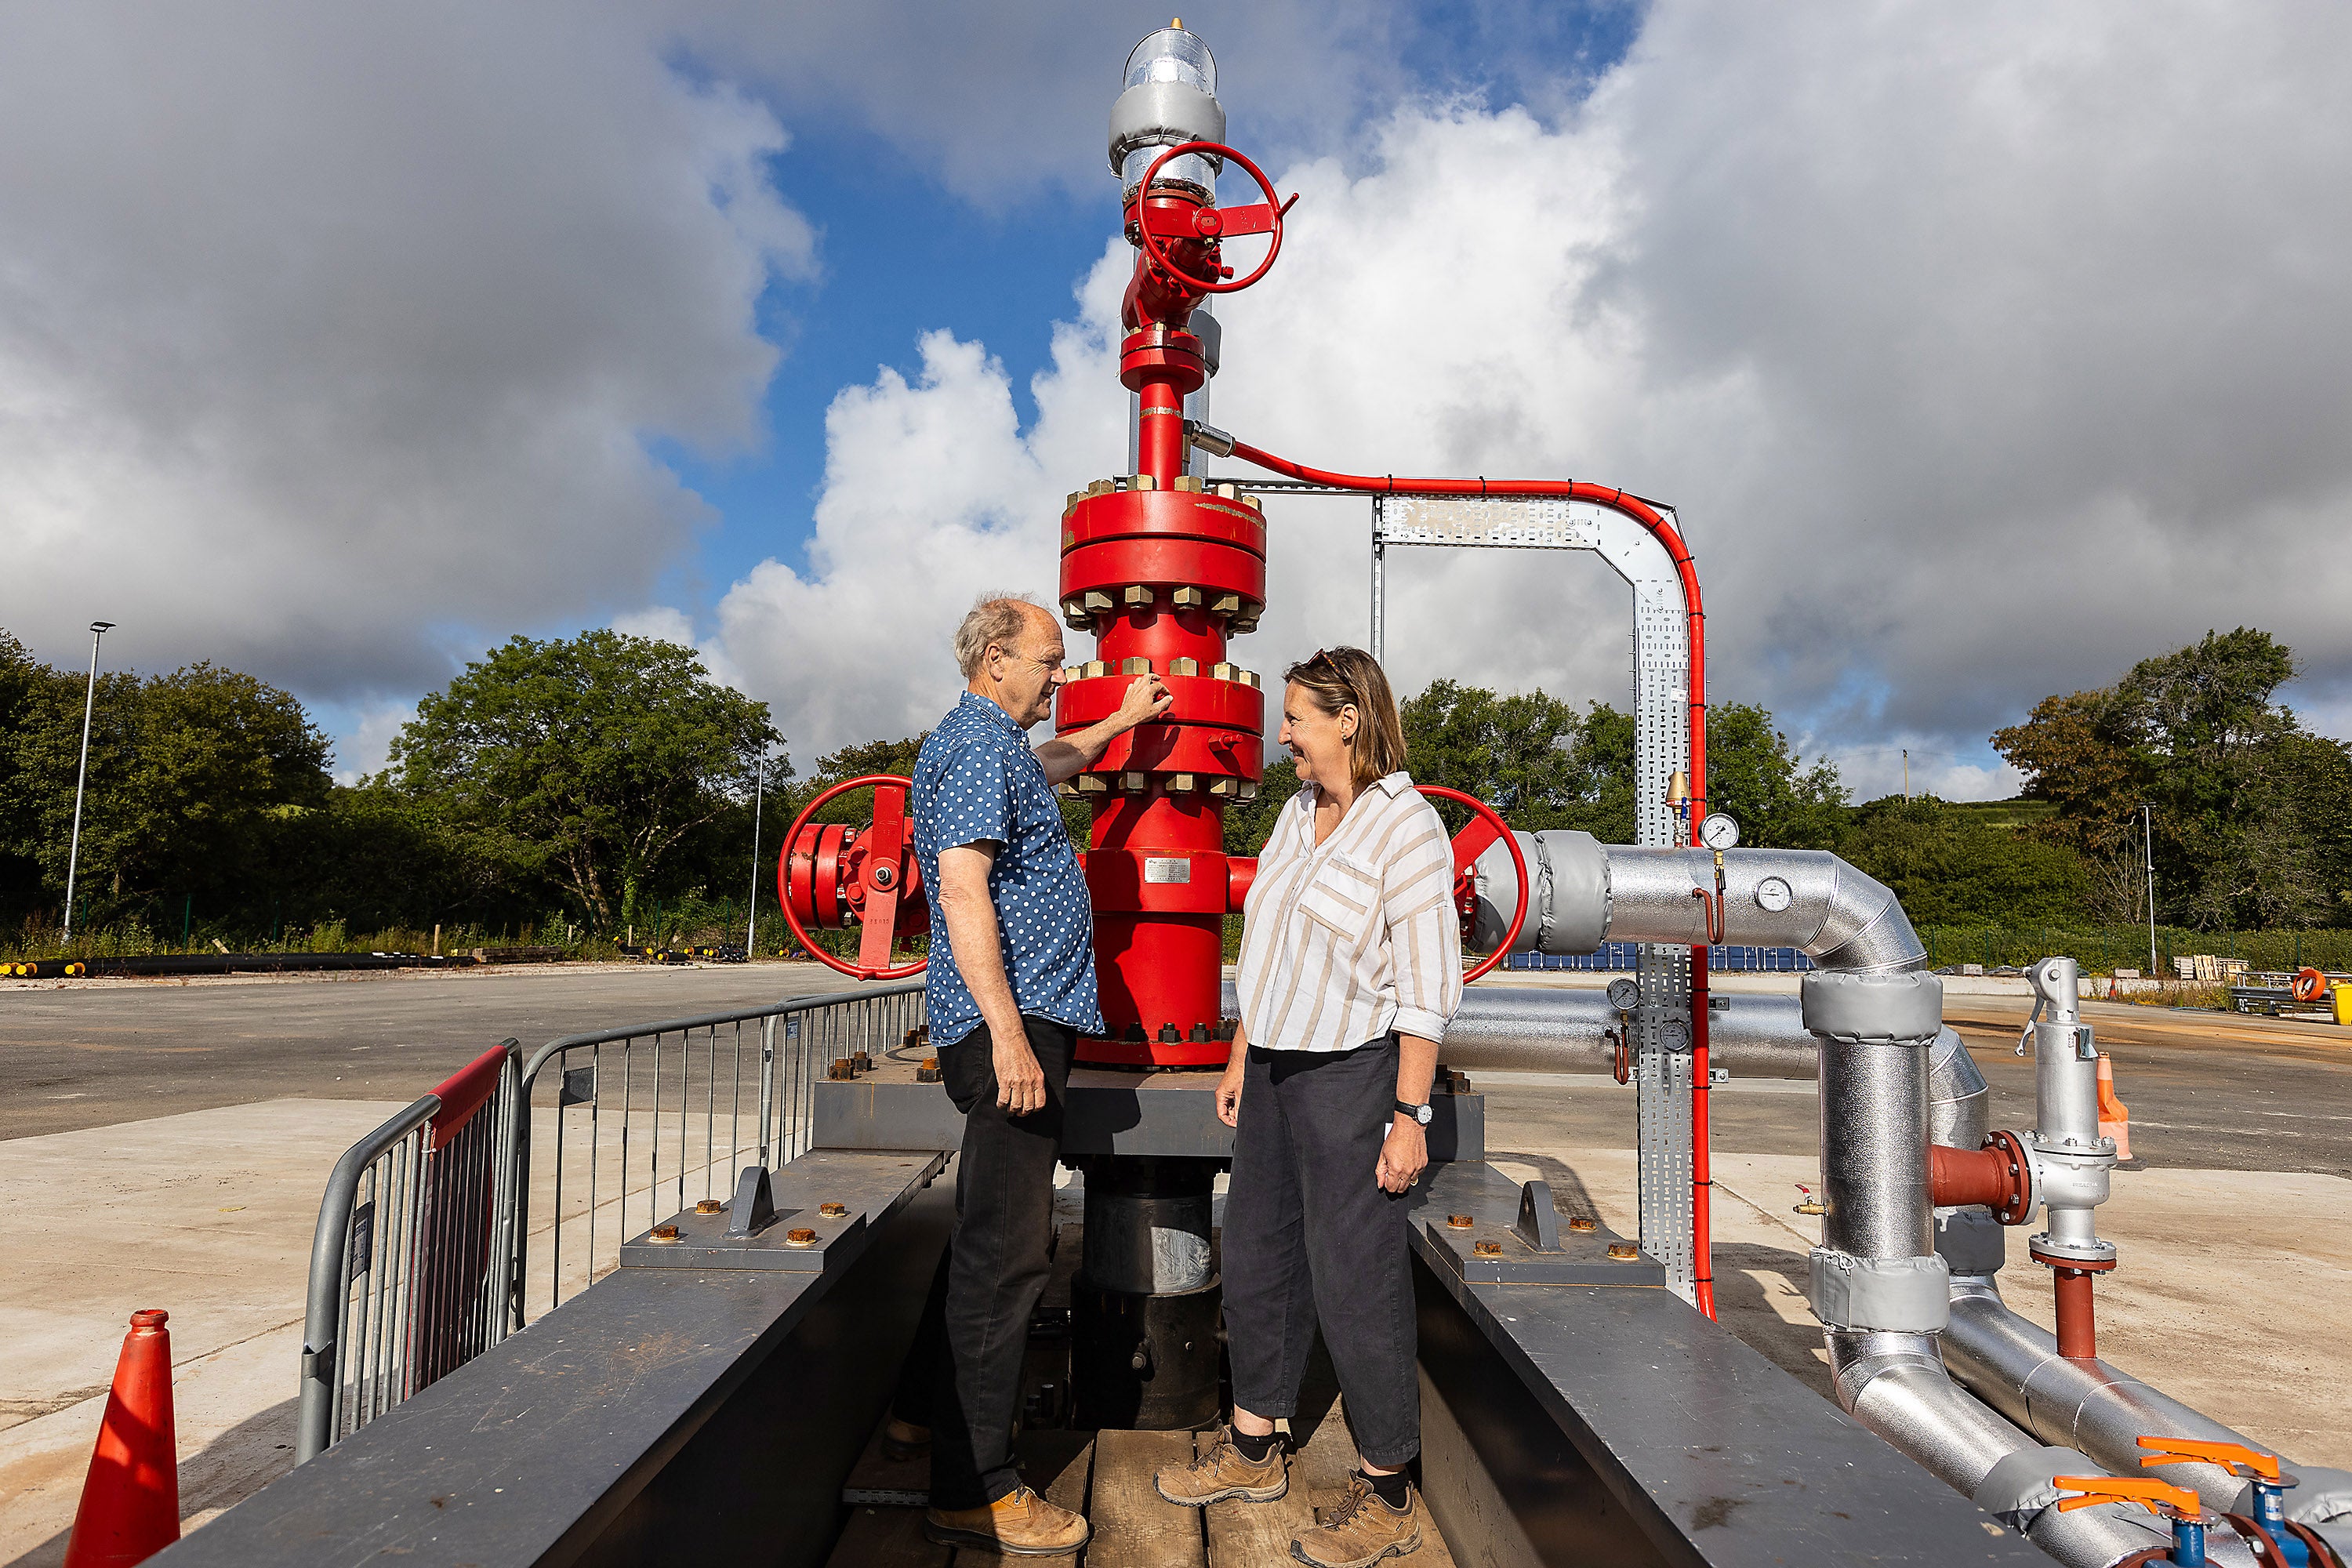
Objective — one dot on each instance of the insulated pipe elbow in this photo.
(1587, 892)
(1894, 1384)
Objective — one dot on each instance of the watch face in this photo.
(1718, 831)
(1623, 993)
(1772, 894)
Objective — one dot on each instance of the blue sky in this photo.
(903, 252)
(383, 334)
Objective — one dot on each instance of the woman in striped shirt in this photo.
(1351, 966)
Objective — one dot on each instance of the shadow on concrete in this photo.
(1568, 1195)
(217, 1476)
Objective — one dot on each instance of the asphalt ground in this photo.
(2205, 1091)
(82, 1054)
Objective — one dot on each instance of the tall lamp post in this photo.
(752, 922)
(2147, 854)
(97, 630)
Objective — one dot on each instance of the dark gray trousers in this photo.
(1309, 1235)
(963, 1374)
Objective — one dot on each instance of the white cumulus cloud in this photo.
(1982, 352)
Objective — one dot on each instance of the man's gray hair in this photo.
(997, 618)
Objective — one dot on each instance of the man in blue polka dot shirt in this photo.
(1010, 988)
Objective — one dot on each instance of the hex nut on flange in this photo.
(1459, 1222)
(832, 1211)
(801, 1237)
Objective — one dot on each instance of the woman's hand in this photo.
(1229, 1089)
(1404, 1153)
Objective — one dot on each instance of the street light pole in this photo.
(97, 630)
(751, 925)
(2148, 853)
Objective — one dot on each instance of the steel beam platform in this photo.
(1107, 1111)
(664, 1415)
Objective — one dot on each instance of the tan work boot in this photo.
(1019, 1524)
(1360, 1531)
(1224, 1473)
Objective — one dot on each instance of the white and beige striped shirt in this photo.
(1345, 940)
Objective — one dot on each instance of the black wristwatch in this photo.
(1420, 1113)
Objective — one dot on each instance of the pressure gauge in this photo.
(1718, 831)
(1674, 1034)
(1623, 995)
(1772, 895)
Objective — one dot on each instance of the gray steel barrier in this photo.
(645, 1119)
(408, 1264)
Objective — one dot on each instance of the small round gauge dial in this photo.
(1772, 895)
(1674, 1034)
(1623, 993)
(1717, 831)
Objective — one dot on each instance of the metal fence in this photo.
(407, 1266)
(426, 1253)
(629, 1126)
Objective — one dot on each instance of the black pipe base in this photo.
(1146, 1362)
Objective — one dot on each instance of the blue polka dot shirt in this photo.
(976, 779)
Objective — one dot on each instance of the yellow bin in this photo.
(2344, 1004)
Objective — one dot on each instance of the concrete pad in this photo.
(2231, 1293)
(208, 1215)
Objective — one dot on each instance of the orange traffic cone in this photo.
(2115, 1122)
(130, 1502)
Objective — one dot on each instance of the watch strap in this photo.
(1420, 1113)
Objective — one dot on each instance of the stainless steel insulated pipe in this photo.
(1588, 893)
(1880, 1290)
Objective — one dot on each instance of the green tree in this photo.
(188, 774)
(593, 758)
(1514, 752)
(1754, 776)
(2250, 827)
(1951, 867)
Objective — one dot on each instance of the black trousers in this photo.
(1310, 1236)
(963, 1377)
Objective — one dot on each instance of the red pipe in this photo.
(1642, 512)
(1960, 1177)
(2078, 1336)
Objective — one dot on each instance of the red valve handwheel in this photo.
(1152, 248)
(884, 875)
(1483, 829)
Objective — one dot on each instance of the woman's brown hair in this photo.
(1336, 677)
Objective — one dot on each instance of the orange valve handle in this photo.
(2160, 1497)
(2310, 985)
(1483, 828)
(2228, 1456)
(1213, 223)
(884, 875)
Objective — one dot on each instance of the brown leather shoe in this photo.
(1360, 1531)
(1019, 1524)
(1224, 1473)
(903, 1440)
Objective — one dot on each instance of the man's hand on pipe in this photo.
(1147, 699)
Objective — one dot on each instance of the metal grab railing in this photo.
(422, 1254)
(407, 1275)
(673, 1109)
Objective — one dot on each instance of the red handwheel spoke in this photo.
(830, 874)
(1482, 831)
